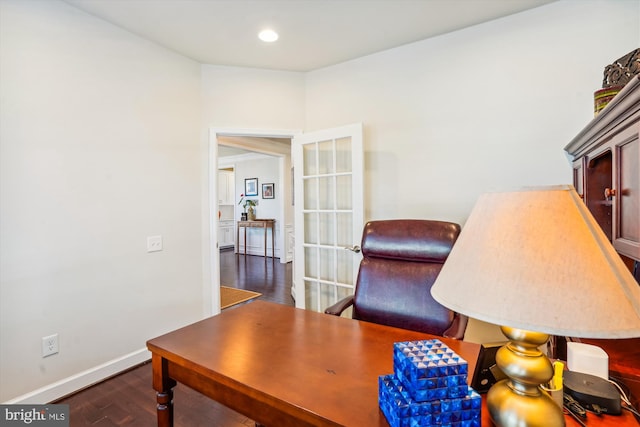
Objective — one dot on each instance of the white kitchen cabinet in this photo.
(226, 234)
(226, 187)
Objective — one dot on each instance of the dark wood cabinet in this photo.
(606, 174)
(606, 170)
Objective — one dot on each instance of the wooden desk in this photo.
(258, 223)
(282, 366)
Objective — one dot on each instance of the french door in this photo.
(328, 200)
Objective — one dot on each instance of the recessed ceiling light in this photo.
(268, 36)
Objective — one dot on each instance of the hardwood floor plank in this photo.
(129, 400)
(271, 278)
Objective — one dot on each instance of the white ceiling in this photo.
(313, 33)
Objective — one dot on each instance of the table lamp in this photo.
(537, 263)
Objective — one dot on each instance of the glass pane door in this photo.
(329, 215)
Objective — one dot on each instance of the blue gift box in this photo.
(428, 387)
(401, 410)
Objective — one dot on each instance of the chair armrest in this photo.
(457, 328)
(337, 308)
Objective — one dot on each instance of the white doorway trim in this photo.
(211, 289)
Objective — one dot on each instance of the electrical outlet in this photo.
(154, 243)
(50, 345)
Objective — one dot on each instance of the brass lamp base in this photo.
(518, 400)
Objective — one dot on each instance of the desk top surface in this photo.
(324, 365)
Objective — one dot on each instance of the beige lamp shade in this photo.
(536, 259)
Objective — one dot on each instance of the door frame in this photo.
(212, 255)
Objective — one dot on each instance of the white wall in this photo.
(486, 108)
(100, 147)
(266, 169)
(249, 98)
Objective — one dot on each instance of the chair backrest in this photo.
(402, 259)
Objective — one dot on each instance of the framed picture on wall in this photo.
(251, 187)
(268, 191)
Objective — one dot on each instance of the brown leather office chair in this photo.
(402, 259)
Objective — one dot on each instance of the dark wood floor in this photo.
(129, 400)
(271, 278)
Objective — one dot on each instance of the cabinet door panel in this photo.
(226, 234)
(578, 177)
(627, 233)
(598, 178)
(226, 188)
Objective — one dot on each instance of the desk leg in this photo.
(163, 386)
(265, 242)
(165, 408)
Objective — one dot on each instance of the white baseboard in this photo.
(77, 382)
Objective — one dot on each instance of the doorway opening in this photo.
(228, 148)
